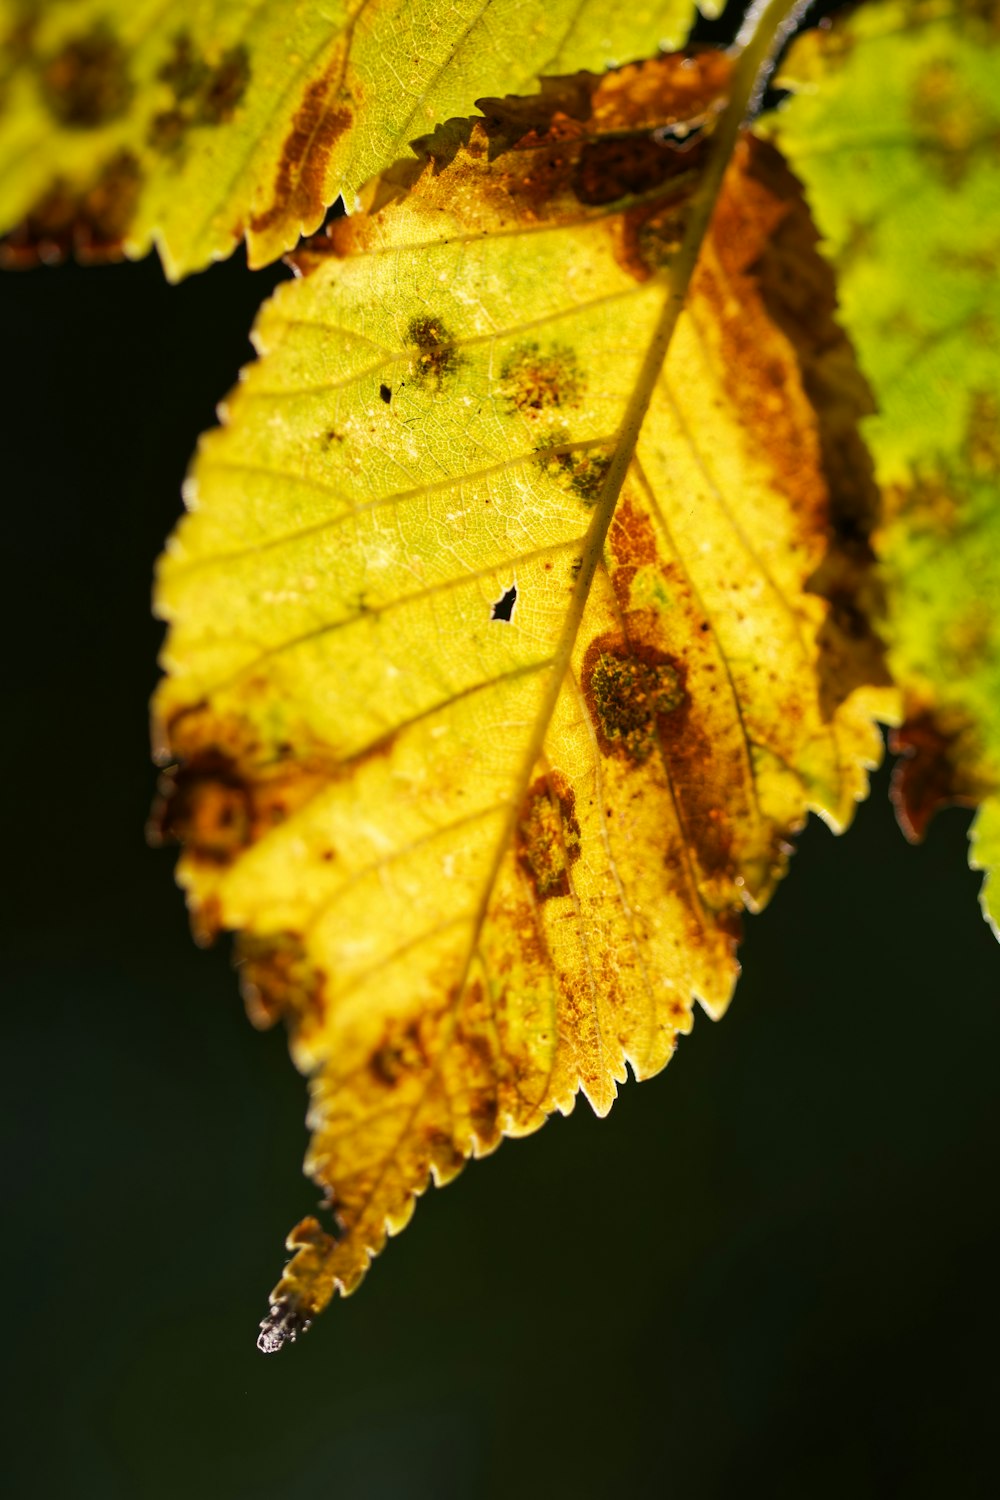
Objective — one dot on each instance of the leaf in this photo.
(513, 630)
(896, 132)
(128, 123)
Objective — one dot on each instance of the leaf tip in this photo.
(283, 1324)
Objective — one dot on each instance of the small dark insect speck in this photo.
(504, 607)
(385, 392)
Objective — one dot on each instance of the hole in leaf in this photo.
(504, 607)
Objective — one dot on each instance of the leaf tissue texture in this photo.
(504, 657)
(895, 129)
(129, 123)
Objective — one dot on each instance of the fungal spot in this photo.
(386, 393)
(649, 238)
(982, 436)
(216, 808)
(633, 545)
(86, 83)
(578, 470)
(184, 70)
(947, 120)
(224, 88)
(387, 1065)
(926, 775)
(436, 355)
(402, 1053)
(166, 131)
(299, 190)
(444, 1154)
(89, 223)
(483, 1111)
(628, 693)
(629, 166)
(547, 837)
(504, 607)
(533, 380)
(203, 94)
(278, 980)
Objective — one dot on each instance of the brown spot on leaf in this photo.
(227, 792)
(925, 778)
(387, 1064)
(630, 166)
(648, 237)
(184, 70)
(578, 470)
(216, 809)
(224, 88)
(300, 182)
(436, 355)
(523, 121)
(89, 223)
(484, 1109)
(278, 980)
(982, 437)
(947, 122)
(535, 380)
(629, 690)
(204, 93)
(166, 131)
(86, 83)
(400, 1054)
(445, 1155)
(767, 247)
(547, 837)
(207, 807)
(633, 544)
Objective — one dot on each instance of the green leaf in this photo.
(895, 130)
(129, 123)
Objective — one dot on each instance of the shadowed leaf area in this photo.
(484, 858)
(129, 123)
(895, 129)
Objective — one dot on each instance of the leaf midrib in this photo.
(750, 66)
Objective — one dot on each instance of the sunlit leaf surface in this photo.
(895, 129)
(128, 123)
(504, 658)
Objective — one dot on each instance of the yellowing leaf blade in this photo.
(517, 623)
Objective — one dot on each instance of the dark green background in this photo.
(773, 1269)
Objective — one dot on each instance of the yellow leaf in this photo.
(129, 123)
(517, 624)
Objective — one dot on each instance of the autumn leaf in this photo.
(518, 621)
(129, 123)
(895, 129)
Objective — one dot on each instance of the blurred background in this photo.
(773, 1268)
